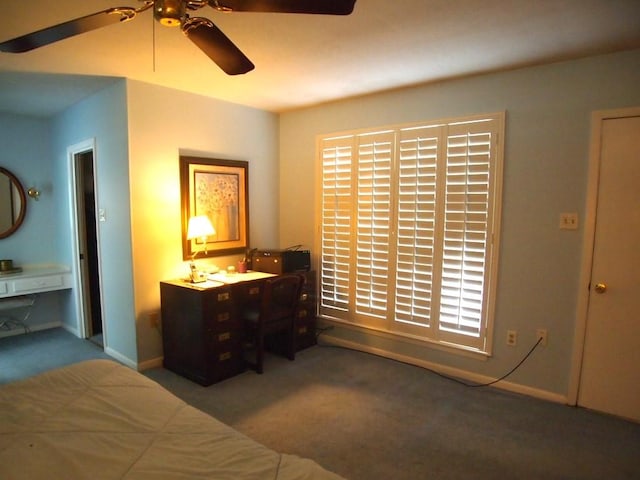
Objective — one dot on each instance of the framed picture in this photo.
(219, 190)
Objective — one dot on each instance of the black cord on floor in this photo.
(320, 331)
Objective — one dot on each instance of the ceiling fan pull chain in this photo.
(153, 44)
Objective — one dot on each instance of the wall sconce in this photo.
(34, 193)
(199, 227)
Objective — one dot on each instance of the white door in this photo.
(610, 377)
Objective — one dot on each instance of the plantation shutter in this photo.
(416, 224)
(466, 229)
(336, 222)
(375, 154)
(408, 229)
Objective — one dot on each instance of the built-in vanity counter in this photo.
(19, 290)
(34, 279)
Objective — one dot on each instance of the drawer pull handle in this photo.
(222, 297)
(224, 336)
(224, 356)
(254, 291)
(302, 313)
(223, 317)
(302, 330)
(304, 297)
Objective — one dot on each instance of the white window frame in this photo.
(408, 216)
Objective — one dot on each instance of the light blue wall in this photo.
(26, 152)
(103, 117)
(546, 157)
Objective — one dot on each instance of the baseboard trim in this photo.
(73, 331)
(121, 358)
(140, 367)
(449, 371)
(148, 364)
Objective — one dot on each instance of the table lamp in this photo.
(199, 227)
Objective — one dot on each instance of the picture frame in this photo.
(218, 189)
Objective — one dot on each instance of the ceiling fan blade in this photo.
(326, 7)
(68, 29)
(217, 46)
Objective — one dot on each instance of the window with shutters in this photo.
(409, 223)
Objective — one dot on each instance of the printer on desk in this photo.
(281, 261)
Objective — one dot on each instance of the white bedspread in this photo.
(100, 420)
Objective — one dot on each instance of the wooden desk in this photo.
(202, 331)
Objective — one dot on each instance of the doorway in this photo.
(609, 374)
(87, 246)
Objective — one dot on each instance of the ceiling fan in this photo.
(173, 13)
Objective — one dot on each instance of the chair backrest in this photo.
(280, 298)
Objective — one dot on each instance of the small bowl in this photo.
(6, 265)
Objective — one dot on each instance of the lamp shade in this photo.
(199, 226)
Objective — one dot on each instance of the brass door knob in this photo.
(600, 288)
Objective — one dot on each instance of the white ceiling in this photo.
(307, 59)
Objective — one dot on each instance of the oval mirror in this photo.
(13, 203)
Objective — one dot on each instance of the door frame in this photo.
(79, 296)
(589, 231)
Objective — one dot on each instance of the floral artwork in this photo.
(216, 195)
(217, 189)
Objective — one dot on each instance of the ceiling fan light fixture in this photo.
(170, 13)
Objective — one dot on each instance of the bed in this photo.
(101, 420)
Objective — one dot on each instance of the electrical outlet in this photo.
(512, 338)
(568, 221)
(154, 319)
(541, 334)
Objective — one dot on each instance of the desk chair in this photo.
(276, 313)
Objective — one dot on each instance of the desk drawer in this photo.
(219, 299)
(38, 283)
(305, 333)
(223, 321)
(224, 364)
(225, 339)
(306, 311)
(3, 288)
